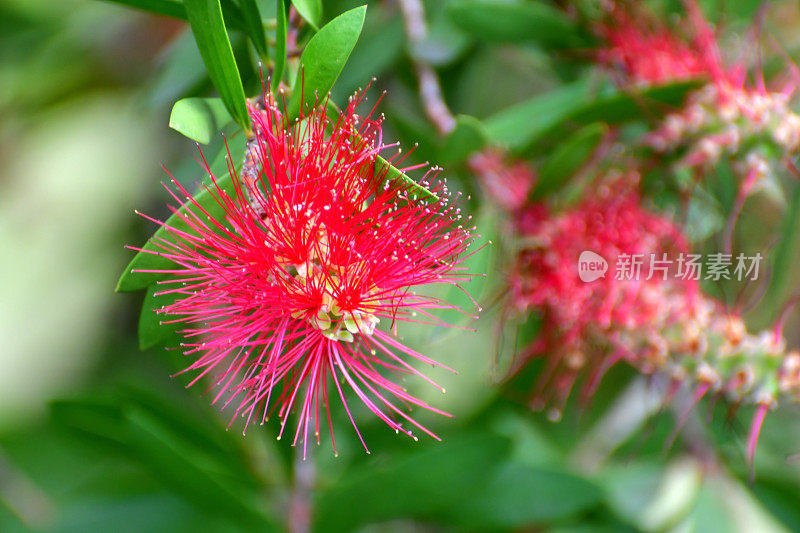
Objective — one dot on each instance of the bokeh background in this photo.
(96, 435)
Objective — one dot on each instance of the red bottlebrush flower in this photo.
(655, 320)
(645, 51)
(582, 315)
(281, 300)
(752, 126)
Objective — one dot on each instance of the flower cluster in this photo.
(596, 324)
(753, 129)
(752, 126)
(661, 325)
(281, 300)
(644, 51)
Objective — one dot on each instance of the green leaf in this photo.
(134, 281)
(522, 124)
(168, 8)
(182, 448)
(468, 137)
(200, 119)
(281, 33)
(462, 464)
(96, 419)
(151, 330)
(311, 10)
(388, 172)
(323, 59)
(783, 259)
(205, 18)
(551, 115)
(516, 496)
(618, 106)
(516, 21)
(176, 9)
(255, 26)
(568, 158)
(385, 171)
(189, 470)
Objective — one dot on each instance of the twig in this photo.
(300, 502)
(429, 88)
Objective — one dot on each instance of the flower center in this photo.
(334, 322)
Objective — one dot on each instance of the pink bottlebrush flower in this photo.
(645, 51)
(656, 321)
(732, 116)
(612, 224)
(281, 300)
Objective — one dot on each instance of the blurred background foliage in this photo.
(95, 435)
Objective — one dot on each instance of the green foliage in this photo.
(786, 254)
(208, 26)
(282, 22)
(567, 159)
(130, 449)
(168, 8)
(310, 10)
(255, 27)
(234, 19)
(152, 332)
(523, 126)
(323, 59)
(200, 119)
(468, 137)
(194, 457)
(517, 21)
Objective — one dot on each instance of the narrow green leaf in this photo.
(200, 119)
(391, 173)
(180, 446)
(151, 330)
(465, 462)
(517, 495)
(521, 124)
(175, 9)
(323, 60)
(551, 115)
(208, 26)
(468, 137)
(255, 26)
(311, 10)
(168, 8)
(384, 170)
(783, 259)
(189, 470)
(619, 106)
(134, 281)
(281, 33)
(516, 21)
(97, 419)
(568, 158)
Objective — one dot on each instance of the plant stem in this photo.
(300, 503)
(429, 88)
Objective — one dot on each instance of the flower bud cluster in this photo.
(754, 129)
(661, 326)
